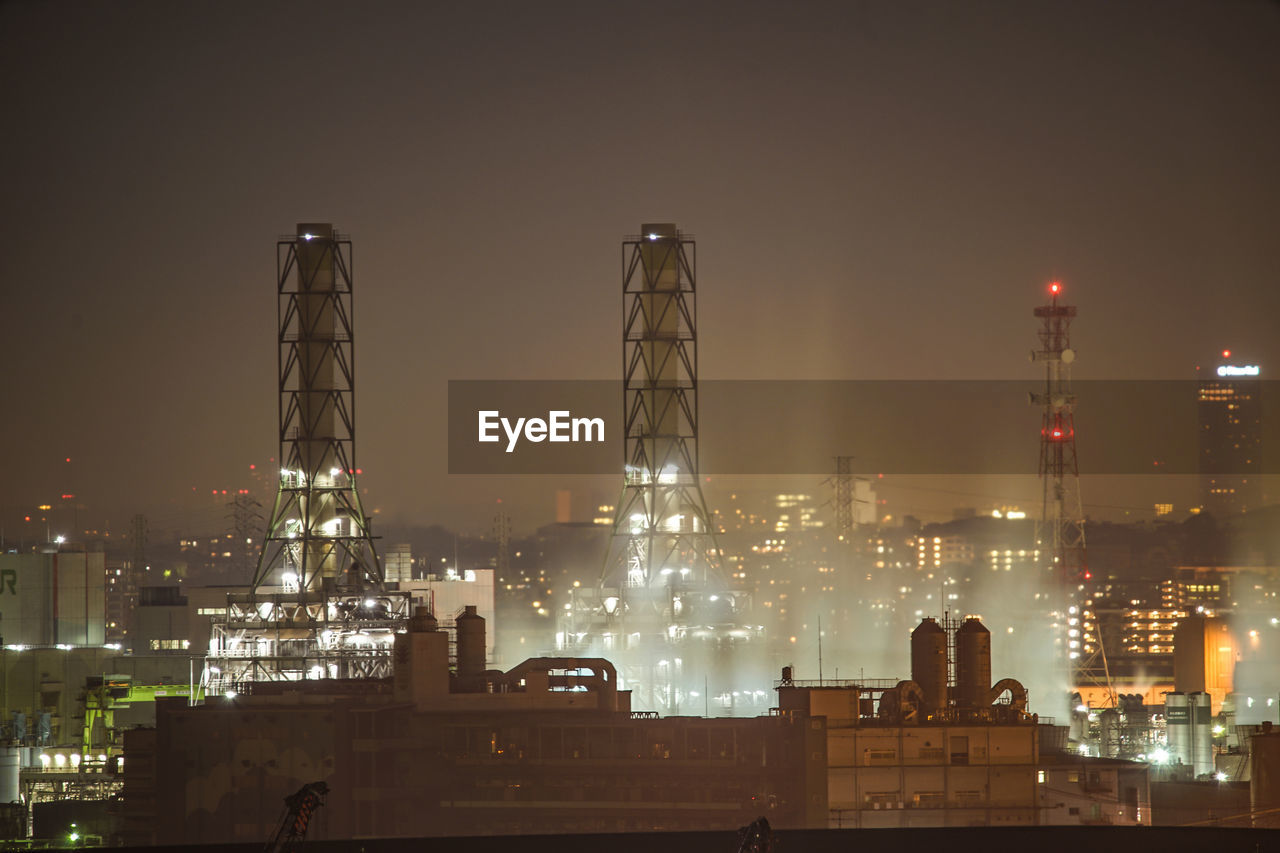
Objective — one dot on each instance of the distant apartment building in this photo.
(1230, 439)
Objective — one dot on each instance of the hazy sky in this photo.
(878, 190)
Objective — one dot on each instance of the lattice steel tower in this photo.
(1060, 536)
(662, 530)
(317, 606)
(663, 610)
(843, 484)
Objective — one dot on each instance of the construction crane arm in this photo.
(299, 806)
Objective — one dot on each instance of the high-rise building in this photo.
(1230, 434)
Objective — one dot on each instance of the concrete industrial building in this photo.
(448, 594)
(549, 746)
(945, 748)
(53, 597)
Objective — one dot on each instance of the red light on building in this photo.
(252, 467)
(1226, 353)
(67, 497)
(359, 470)
(1088, 575)
(68, 458)
(1055, 288)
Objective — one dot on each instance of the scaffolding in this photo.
(317, 605)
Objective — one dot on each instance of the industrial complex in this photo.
(668, 665)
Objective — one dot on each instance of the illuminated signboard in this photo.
(1241, 370)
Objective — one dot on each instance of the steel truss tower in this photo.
(663, 610)
(317, 606)
(662, 527)
(1060, 527)
(843, 484)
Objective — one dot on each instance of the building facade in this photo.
(1230, 445)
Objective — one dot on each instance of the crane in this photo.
(299, 806)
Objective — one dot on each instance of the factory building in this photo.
(42, 703)
(53, 597)
(548, 746)
(944, 748)
(449, 593)
(1077, 789)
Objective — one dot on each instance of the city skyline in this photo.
(486, 186)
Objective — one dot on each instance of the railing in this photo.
(862, 683)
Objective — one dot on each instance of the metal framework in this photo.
(317, 605)
(246, 524)
(1060, 528)
(663, 610)
(843, 483)
(662, 526)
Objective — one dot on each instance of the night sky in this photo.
(878, 190)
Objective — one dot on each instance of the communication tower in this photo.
(1059, 531)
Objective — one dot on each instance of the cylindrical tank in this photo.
(1201, 732)
(1177, 717)
(973, 664)
(929, 663)
(471, 657)
(10, 759)
(1264, 778)
(423, 619)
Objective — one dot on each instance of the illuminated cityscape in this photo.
(703, 492)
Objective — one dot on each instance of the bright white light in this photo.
(369, 603)
(1084, 749)
(1238, 370)
(653, 236)
(308, 237)
(1221, 777)
(1159, 756)
(59, 539)
(230, 694)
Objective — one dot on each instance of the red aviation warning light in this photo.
(1055, 288)
(1226, 353)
